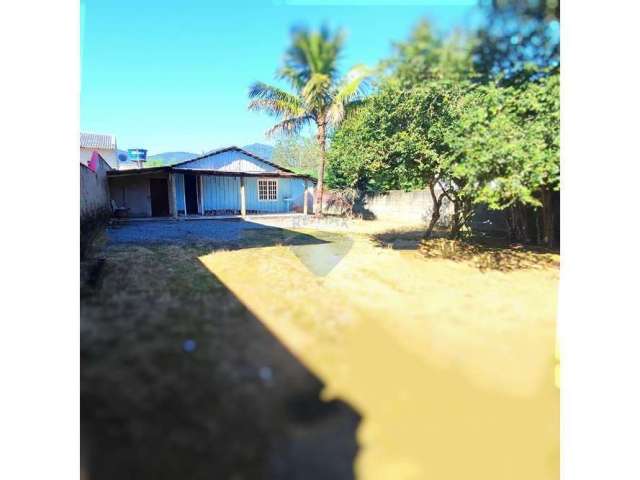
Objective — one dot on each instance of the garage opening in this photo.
(191, 194)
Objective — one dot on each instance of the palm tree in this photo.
(319, 95)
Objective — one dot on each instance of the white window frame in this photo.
(268, 180)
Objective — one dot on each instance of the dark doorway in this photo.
(191, 194)
(159, 197)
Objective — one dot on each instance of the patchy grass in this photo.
(487, 257)
(482, 253)
(440, 360)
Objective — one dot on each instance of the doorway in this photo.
(159, 197)
(191, 194)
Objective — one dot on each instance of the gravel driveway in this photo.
(178, 231)
(209, 230)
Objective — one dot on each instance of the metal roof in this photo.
(98, 140)
(233, 147)
(221, 173)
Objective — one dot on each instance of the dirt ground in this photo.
(310, 351)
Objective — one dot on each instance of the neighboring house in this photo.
(224, 182)
(105, 145)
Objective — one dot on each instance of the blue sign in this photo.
(137, 154)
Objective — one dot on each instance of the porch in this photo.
(167, 192)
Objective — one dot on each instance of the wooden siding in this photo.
(292, 188)
(180, 206)
(229, 161)
(222, 195)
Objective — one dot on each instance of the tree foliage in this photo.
(469, 143)
(425, 56)
(508, 140)
(298, 153)
(400, 140)
(515, 34)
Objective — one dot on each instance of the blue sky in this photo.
(173, 76)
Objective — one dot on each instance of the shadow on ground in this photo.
(485, 253)
(233, 233)
(180, 380)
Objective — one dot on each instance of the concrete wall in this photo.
(413, 206)
(94, 189)
(416, 206)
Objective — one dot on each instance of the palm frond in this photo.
(317, 91)
(274, 101)
(311, 53)
(289, 126)
(352, 88)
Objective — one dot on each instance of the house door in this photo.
(159, 197)
(191, 194)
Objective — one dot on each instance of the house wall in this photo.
(94, 189)
(291, 188)
(134, 193)
(230, 161)
(110, 156)
(221, 196)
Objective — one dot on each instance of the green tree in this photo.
(319, 95)
(426, 56)
(398, 140)
(517, 33)
(298, 153)
(508, 143)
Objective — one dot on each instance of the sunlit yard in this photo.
(452, 369)
(449, 366)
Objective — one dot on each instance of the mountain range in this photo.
(169, 158)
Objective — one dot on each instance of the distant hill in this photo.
(260, 149)
(169, 158)
(159, 159)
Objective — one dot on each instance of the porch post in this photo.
(173, 204)
(306, 189)
(243, 200)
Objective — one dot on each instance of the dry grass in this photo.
(443, 360)
(449, 364)
(232, 408)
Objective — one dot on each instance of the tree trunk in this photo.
(321, 137)
(517, 221)
(456, 221)
(435, 213)
(462, 213)
(548, 234)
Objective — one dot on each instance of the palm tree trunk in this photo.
(322, 139)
